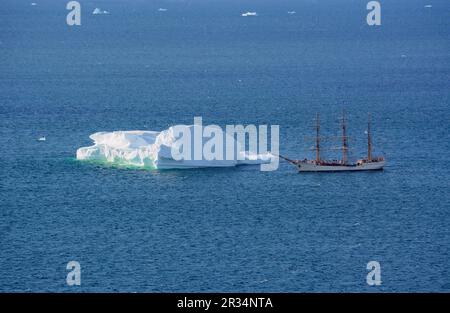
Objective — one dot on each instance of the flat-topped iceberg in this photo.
(155, 150)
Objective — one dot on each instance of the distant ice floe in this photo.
(162, 10)
(42, 138)
(153, 150)
(249, 14)
(428, 6)
(99, 11)
(33, 3)
(291, 12)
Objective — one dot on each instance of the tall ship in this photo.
(369, 163)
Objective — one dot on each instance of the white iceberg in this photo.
(291, 12)
(153, 150)
(162, 10)
(249, 14)
(99, 11)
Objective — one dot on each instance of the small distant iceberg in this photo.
(428, 6)
(99, 11)
(291, 12)
(33, 3)
(42, 138)
(249, 14)
(162, 10)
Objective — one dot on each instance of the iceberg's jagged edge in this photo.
(153, 150)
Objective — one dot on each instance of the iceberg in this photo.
(99, 11)
(154, 150)
(249, 14)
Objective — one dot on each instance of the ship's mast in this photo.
(369, 140)
(344, 139)
(317, 148)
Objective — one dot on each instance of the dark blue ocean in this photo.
(230, 229)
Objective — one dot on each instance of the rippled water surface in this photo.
(231, 229)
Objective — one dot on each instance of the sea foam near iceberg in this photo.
(154, 150)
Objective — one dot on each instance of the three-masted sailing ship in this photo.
(320, 165)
